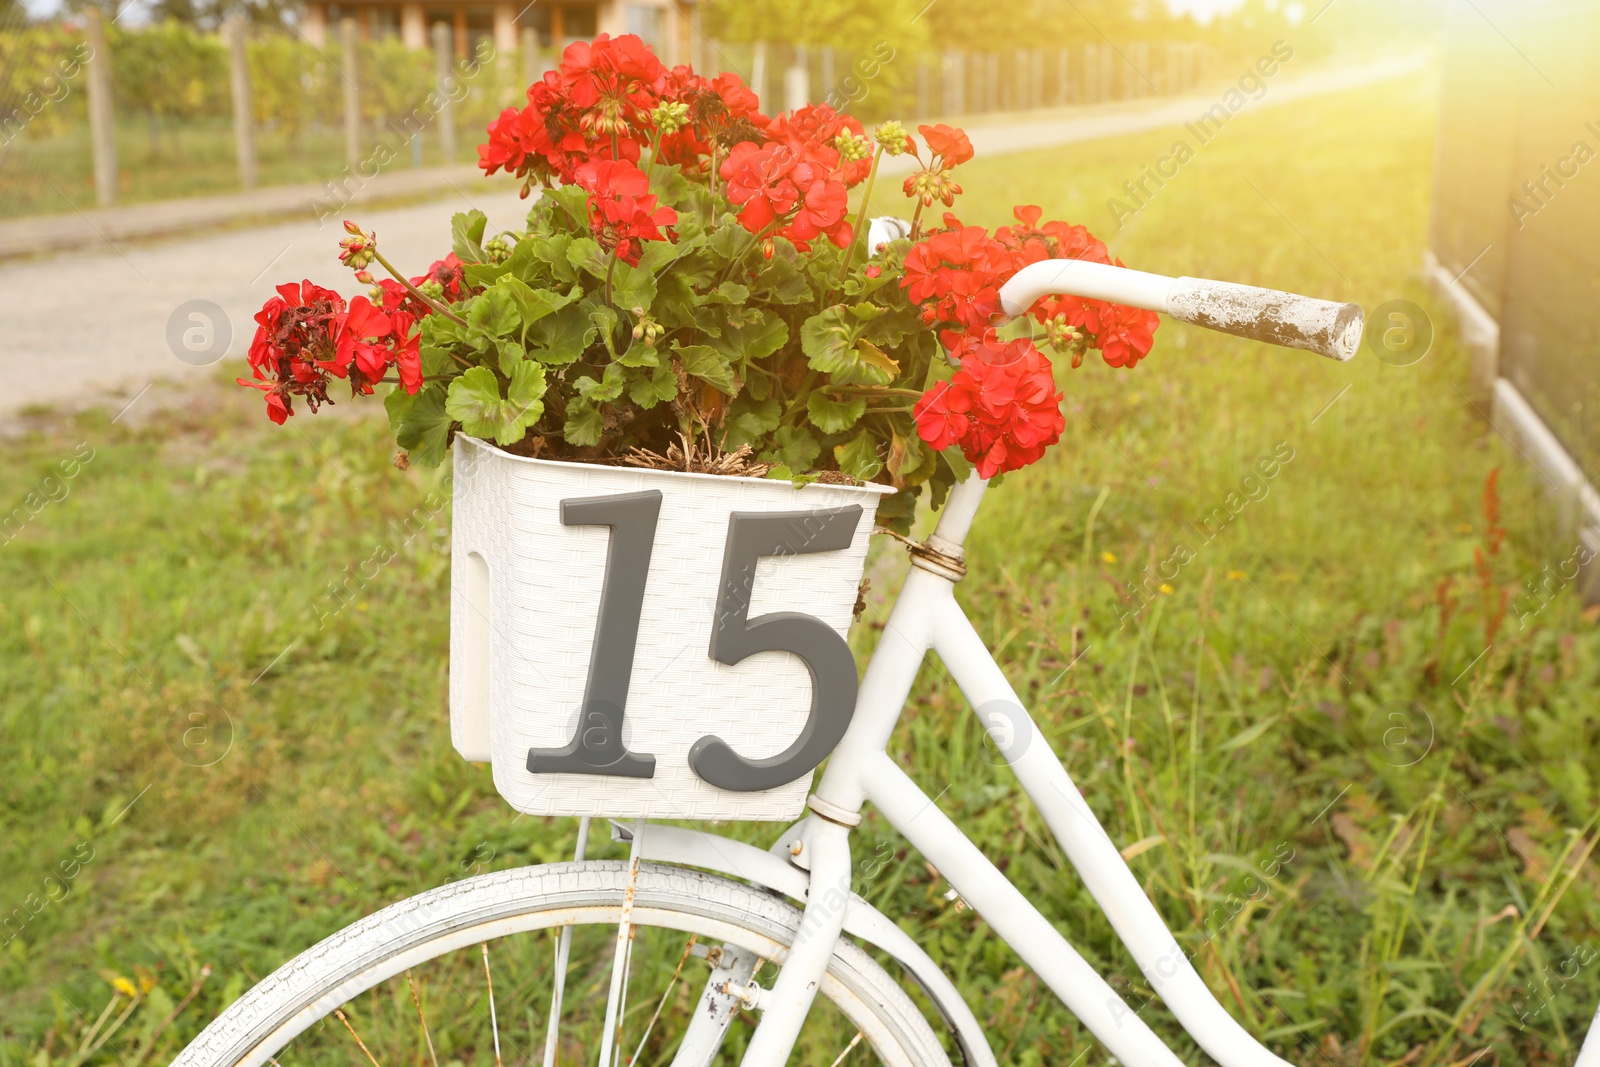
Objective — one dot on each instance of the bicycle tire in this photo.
(309, 987)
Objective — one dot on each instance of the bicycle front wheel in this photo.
(411, 982)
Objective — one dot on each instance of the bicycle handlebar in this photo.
(1321, 326)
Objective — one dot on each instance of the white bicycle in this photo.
(654, 960)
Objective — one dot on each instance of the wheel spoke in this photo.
(619, 966)
(417, 1000)
(494, 1022)
(854, 1041)
(563, 952)
(339, 1014)
(651, 1025)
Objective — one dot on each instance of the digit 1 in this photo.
(596, 746)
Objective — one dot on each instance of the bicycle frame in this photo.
(926, 617)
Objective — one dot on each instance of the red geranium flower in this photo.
(784, 193)
(622, 210)
(448, 272)
(810, 132)
(956, 274)
(1001, 406)
(948, 143)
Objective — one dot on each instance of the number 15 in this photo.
(597, 746)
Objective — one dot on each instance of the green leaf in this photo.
(751, 421)
(584, 424)
(834, 416)
(872, 366)
(669, 184)
(639, 354)
(796, 448)
(755, 341)
(510, 356)
(558, 339)
(436, 360)
(539, 254)
(567, 207)
(858, 457)
(660, 387)
(959, 467)
(727, 293)
(828, 341)
(633, 287)
(493, 312)
(585, 254)
(604, 390)
(906, 454)
(484, 274)
(729, 240)
(466, 235)
(441, 330)
(604, 327)
(709, 365)
(534, 304)
(866, 312)
(781, 279)
(421, 425)
(475, 402)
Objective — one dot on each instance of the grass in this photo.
(1363, 804)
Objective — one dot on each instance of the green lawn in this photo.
(1303, 694)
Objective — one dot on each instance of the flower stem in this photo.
(610, 270)
(414, 291)
(861, 216)
(916, 222)
(871, 390)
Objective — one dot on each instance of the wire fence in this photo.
(98, 114)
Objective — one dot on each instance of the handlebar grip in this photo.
(1321, 326)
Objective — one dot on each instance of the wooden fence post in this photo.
(102, 125)
(244, 131)
(797, 80)
(352, 92)
(530, 56)
(1062, 85)
(758, 73)
(442, 78)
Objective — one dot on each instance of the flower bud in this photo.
(670, 117)
(497, 249)
(352, 229)
(892, 138)
(852, 147)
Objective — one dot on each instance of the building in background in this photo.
(666, 25)
(1515, 241)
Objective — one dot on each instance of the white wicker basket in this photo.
(525, 599)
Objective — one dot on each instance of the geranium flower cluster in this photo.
(955, 275)
(622, 211)
(1001, 407)
(542, 346)
(306, 336)
(608, 100)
